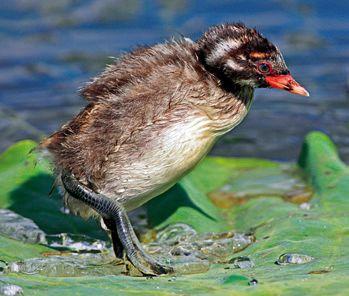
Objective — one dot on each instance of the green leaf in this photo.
(280, 226)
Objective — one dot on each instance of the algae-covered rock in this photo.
(312, 231)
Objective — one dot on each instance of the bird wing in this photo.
(130, 95)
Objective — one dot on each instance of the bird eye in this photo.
(264, 68)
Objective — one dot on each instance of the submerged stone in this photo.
(292, 258)
(20, 228)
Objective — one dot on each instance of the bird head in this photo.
(242, 56)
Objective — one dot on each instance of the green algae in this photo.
(320, 231)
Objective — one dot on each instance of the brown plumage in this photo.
(155, 112)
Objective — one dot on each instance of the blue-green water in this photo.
(49, 48)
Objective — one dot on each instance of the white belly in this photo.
(176, 152)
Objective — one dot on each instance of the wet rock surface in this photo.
(20, 228)
(279, 227)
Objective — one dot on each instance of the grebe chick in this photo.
(152, 116)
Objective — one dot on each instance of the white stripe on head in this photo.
(234, 65)
(221, 49)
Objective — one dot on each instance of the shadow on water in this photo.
(31, 199)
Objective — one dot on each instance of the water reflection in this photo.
(49, 48)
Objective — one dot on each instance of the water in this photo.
(177, 245)
(69, 265)
(49, 48)
(180, 242)
(76, 243)
(290, 258)
(242, 262)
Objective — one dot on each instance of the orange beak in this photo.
(286, 82)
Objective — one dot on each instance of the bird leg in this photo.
(117, 218)
(117, 244)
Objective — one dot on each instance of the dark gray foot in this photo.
(116, 215)
(117, 244)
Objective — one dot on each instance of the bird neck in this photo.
(231, 108)
(228, 102)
